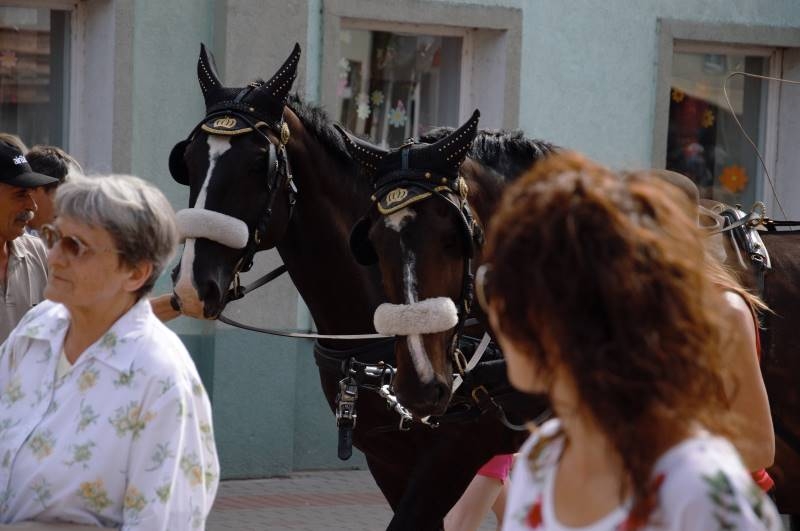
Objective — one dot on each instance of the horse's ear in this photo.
(177, 166)
(207, 75)
(360, 246)
(280, 84)
(365, 153)
(454, 147)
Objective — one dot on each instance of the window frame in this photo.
(492, 44)
(71, 7)
(679, 36)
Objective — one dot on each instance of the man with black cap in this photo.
(23, 258)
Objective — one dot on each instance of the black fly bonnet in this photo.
(416, 172)
(233, 112)
(411, 173)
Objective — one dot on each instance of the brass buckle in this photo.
(479, 389)
(460, 361)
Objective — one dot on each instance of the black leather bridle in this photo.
(453, 192)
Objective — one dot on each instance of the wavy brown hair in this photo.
(603, 274)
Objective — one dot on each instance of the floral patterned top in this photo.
(123, 439)
(699, 484)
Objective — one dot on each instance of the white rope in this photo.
(746, 136)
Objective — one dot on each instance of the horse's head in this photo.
(421, 231)
(240, 185)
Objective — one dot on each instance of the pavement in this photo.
(341, 500)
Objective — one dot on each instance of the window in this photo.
(392, 86)
(426, 63)
(34, 80)
(703, 140)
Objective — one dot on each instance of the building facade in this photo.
(651, 83)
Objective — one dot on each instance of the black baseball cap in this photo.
(15, 170)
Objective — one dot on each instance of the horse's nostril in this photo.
(210, 292)
(442, 392)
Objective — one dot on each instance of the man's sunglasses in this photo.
(72, 246)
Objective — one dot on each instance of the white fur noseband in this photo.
(424, 317)
(221, 228)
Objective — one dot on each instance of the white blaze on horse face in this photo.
(185, 289)
(397, 220)
(415, 346)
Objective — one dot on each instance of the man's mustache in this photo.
(24, 217)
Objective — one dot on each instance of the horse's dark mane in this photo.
(509, 153)
(317, 122)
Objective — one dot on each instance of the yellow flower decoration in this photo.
(734, 178)
(678, 95)
(708, 118)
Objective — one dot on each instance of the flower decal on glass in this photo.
(734, 178)
(708, 118)
(678, 95)
(398, 116)
(362, 109)
(376, 97)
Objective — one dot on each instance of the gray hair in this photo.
(135, 213)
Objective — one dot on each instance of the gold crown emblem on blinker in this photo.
(463, 188)
(284, 133)
(225, 123)
(396, 195)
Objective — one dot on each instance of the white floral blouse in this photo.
(699, 484)
(123, 439)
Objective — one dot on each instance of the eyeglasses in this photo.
(481, 287)
(72, 246)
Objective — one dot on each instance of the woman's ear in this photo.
(138, 275)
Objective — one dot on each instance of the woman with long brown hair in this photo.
(597, 287)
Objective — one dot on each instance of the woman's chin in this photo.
(52, 292)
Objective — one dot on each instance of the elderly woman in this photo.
(597, 287)
(104, 420)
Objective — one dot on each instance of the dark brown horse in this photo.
(425, 232)
(242, 165)
(780, 363)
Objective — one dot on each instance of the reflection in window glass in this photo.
(704, 141)
(394, 86)
(33, 82)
